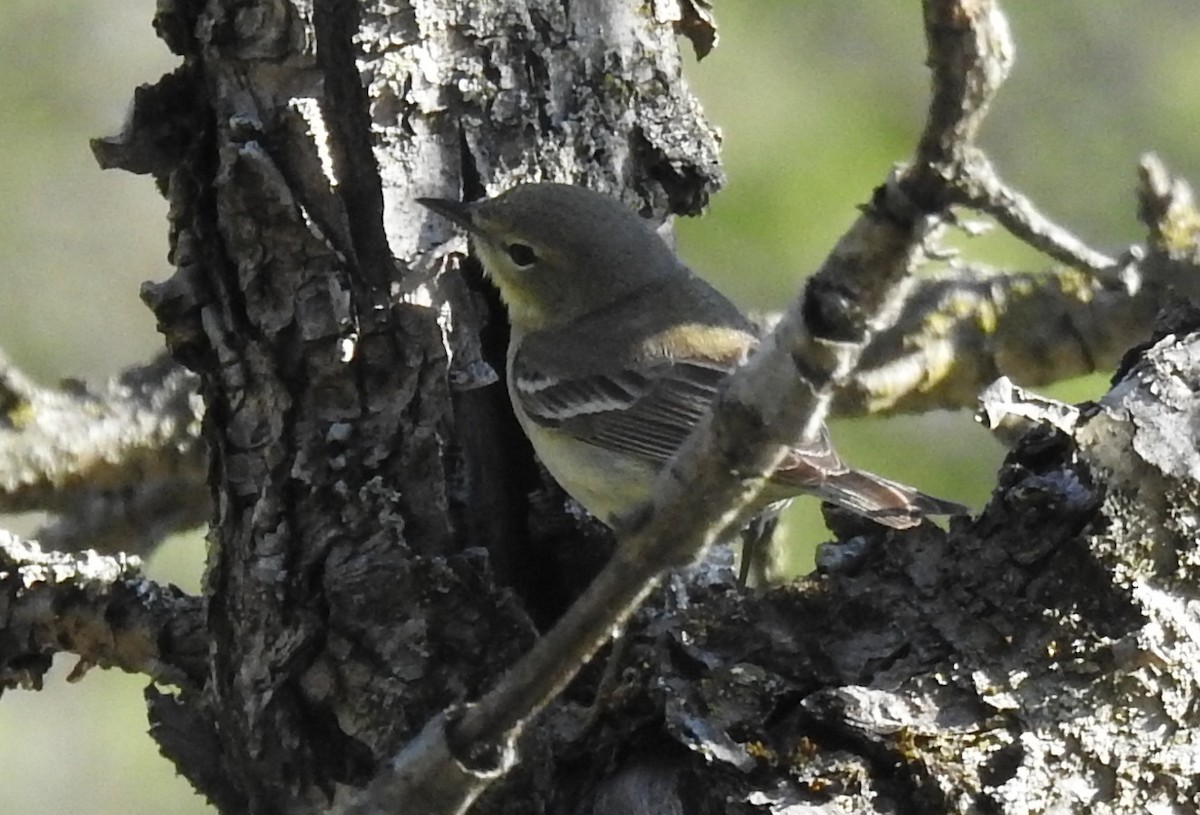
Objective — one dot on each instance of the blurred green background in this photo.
(816, 100)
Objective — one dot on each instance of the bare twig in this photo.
(949, 168)
(980, 187)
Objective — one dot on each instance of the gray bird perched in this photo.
(618, 349)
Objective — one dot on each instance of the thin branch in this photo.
(969, 63)
(98, 607)
(979, 186)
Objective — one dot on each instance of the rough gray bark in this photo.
(345, 599)
(373, 529)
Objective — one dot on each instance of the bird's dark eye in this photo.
(522, 254)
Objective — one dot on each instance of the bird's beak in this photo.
(459, 212)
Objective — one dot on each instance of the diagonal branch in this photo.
(980, 186)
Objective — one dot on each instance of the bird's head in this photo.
(557, 252)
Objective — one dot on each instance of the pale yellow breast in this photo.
(606, 483)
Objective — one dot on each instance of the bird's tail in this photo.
(883, 501)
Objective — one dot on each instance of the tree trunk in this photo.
(357, 464)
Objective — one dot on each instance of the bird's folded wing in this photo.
(646, 411)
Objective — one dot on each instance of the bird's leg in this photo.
(758, 566)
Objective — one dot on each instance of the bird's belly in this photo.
(607, 484)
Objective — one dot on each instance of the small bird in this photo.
(617, 350)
